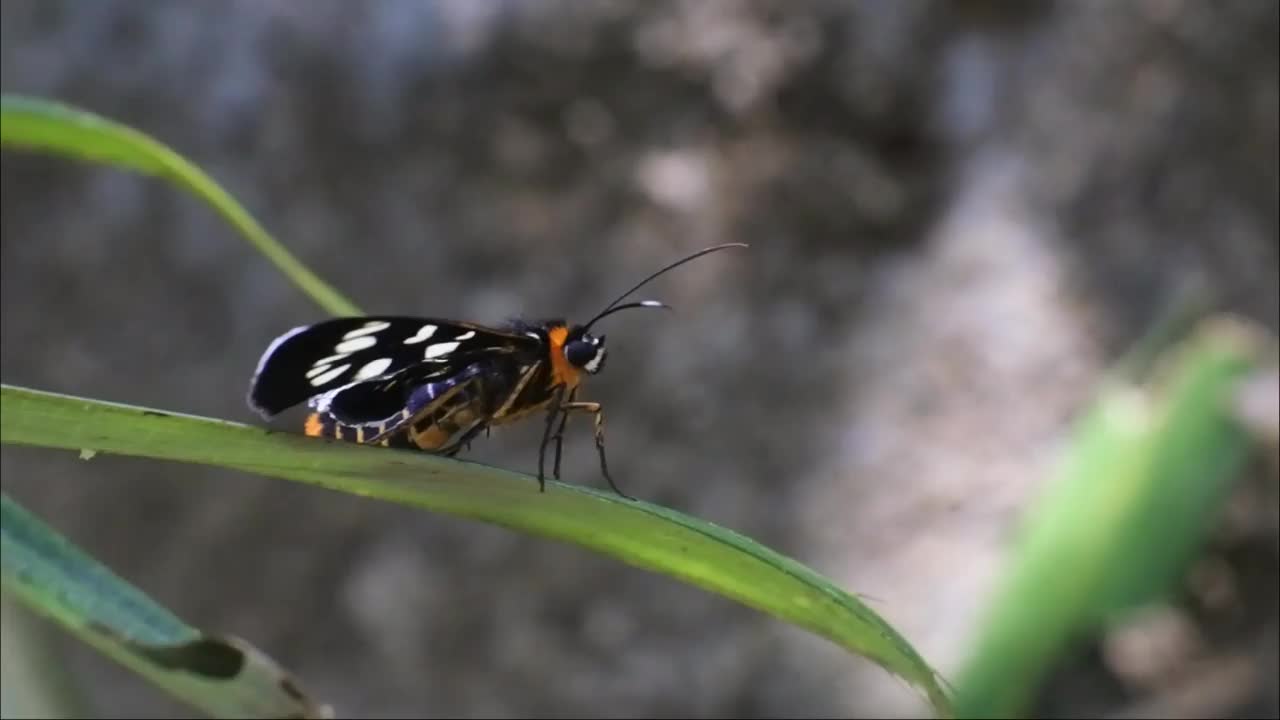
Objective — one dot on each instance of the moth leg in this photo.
(450, 429)
(423, 400)
(480, 423)
(595, 409)
(559, 436)
(464, 440)
(546, 436)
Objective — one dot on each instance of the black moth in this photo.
(433, 384)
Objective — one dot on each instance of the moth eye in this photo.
(579, 352)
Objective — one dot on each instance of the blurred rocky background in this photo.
(960, 213)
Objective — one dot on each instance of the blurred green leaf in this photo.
(634, 532)
(50, 127)
(225, 677)
(34, 682)
(1140, 488)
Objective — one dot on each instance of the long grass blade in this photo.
(637, 533)
(41, 125)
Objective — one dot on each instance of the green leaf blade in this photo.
(636, 533)
(35, 124)
(225, 677)
(74, 587)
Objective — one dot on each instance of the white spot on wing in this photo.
(444, 348)
(368, 329)
(373, 369)
(317, 370)
(534, 335)
(329, 360)
(466, 335)
(329, 376)
(360, 343)
(423, 335)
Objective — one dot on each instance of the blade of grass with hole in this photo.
(1140, 489)
(637, 533)
(35, 124)
(222, 676)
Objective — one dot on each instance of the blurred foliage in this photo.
(1143, 483)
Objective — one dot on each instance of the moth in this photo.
(433, 384)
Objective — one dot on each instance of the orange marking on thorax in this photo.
(562, 373)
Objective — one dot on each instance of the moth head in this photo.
(585, 351)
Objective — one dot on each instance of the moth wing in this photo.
(314, 360)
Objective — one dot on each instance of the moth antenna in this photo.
(613, 306)
(642, 304)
